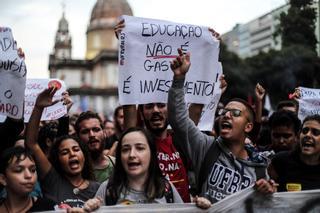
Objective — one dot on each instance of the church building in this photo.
(92, 82)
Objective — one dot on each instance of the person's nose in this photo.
(228, 114)
(72, 153)
(156, 108)
(27, 174)
(92, 133)
(132, 153)
(282, 140)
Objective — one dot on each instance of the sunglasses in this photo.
(314, 132)
(233, 112)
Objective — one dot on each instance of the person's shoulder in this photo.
(94, 184)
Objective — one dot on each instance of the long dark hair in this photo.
(87, 171)
(155, 184)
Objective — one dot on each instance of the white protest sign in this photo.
(309, 102)
(33, 88)
(206, 121)
(13, 73)
(247, 200)
(146, 47)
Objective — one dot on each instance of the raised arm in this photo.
(191, 139)
(44, 99)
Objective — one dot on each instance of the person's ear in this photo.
(248, 128)
(3, 180)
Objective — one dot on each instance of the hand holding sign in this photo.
(118, 28)
(223, 83)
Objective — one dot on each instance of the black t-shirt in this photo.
(60, 190)
(38, 204)
(42, 204)
(294, 175)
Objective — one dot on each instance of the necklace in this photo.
(76, 190)
(20, 210)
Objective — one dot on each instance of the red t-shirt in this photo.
(172, 166)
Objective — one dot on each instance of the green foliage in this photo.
(296, 64)
(297, 27)
(236, 75)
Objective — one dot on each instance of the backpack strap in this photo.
(111, 161)
(260, 172)
(210, 158)
(168, 193)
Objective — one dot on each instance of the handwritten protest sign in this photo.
(146, 47)
(206, 121)
(13, 73)
(309, 102)
(33, 88)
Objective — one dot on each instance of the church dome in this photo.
(105, 13)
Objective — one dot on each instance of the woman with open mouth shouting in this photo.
(67, 176)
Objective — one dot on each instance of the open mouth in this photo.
(306, 143)
(226, 125)
(133, 165)
(74, 163)
(156, 119)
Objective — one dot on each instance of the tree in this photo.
(236, 73)
(297, 27)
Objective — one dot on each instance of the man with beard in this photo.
(236, 165)
(299, 169)
(154, 116)
(89, 129)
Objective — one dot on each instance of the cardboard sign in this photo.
(33, 88)
(13, 74)
(309, 102)
(208, 113)
(146, 47)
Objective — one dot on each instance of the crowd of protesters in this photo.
(82, 162)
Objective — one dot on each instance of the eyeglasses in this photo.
(314, 132)
(233, 112)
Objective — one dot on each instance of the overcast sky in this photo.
(34, 22)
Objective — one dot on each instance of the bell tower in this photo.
(62, 45)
